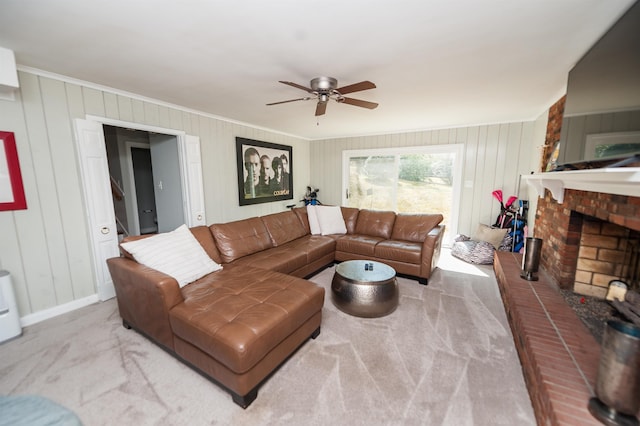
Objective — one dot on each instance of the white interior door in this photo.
(194, 191)
(168, 181)
(97, 194)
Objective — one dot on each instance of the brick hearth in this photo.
(559, 356)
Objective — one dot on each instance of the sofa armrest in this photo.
(431, 248)
(145, 297)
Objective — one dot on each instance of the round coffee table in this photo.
(365, 288)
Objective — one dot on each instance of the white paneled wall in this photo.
(494, 158)
(46, 247)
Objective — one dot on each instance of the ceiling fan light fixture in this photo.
(323, 97)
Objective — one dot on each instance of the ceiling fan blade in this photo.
(290, 100)
(359, 103)
(363, 85)
(297, 86)
(321, 108)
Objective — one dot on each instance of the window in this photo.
(405, 180)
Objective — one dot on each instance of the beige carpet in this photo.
(444, 357)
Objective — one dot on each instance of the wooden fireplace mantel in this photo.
(619, 181)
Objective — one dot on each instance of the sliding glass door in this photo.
(405, 180)
(371, 182)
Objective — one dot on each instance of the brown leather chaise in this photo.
(238, 324)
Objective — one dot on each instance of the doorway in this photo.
(144, 194)
(105, 179)
(146, 166)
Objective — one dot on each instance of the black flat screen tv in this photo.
(602, 108)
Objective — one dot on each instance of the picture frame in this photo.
(265, 171)
(603, 146)
(12, 195)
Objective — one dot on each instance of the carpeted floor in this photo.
(444, 357)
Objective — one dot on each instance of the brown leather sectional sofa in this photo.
(237, 325)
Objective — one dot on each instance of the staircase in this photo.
(119, 206)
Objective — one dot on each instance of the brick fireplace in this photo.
(585, 238)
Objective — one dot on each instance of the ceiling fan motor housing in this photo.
(324, 84)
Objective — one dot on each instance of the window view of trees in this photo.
(405, 183)
(371, 182)
(422, 167)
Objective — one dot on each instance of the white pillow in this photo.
(491, 235)
(331, 220)
(175, 253)
(314, 225)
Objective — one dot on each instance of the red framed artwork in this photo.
(11, 188)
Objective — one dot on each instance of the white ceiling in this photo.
(436, 63)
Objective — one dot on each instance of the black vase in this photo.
(531, 259)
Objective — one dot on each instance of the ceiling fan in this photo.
(325, 88)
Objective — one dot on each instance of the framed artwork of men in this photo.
(264, 172)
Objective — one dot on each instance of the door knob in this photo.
(104, 230)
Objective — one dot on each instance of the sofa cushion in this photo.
(128, 239)
(201, 233)
(285, 259)
(375, 223)
(301, 212)
(314, 246)
(350, 215)
(283, 227)
(400, 251)
(414, 227)
(204, 237)
(292, 256)
(312, 217)
(330, 220)
(358, 244)
(176, 253)
(489, 234)
(237, 317)
(241, 238)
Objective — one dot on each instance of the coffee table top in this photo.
(355, 270)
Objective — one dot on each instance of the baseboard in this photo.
(46, 314)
